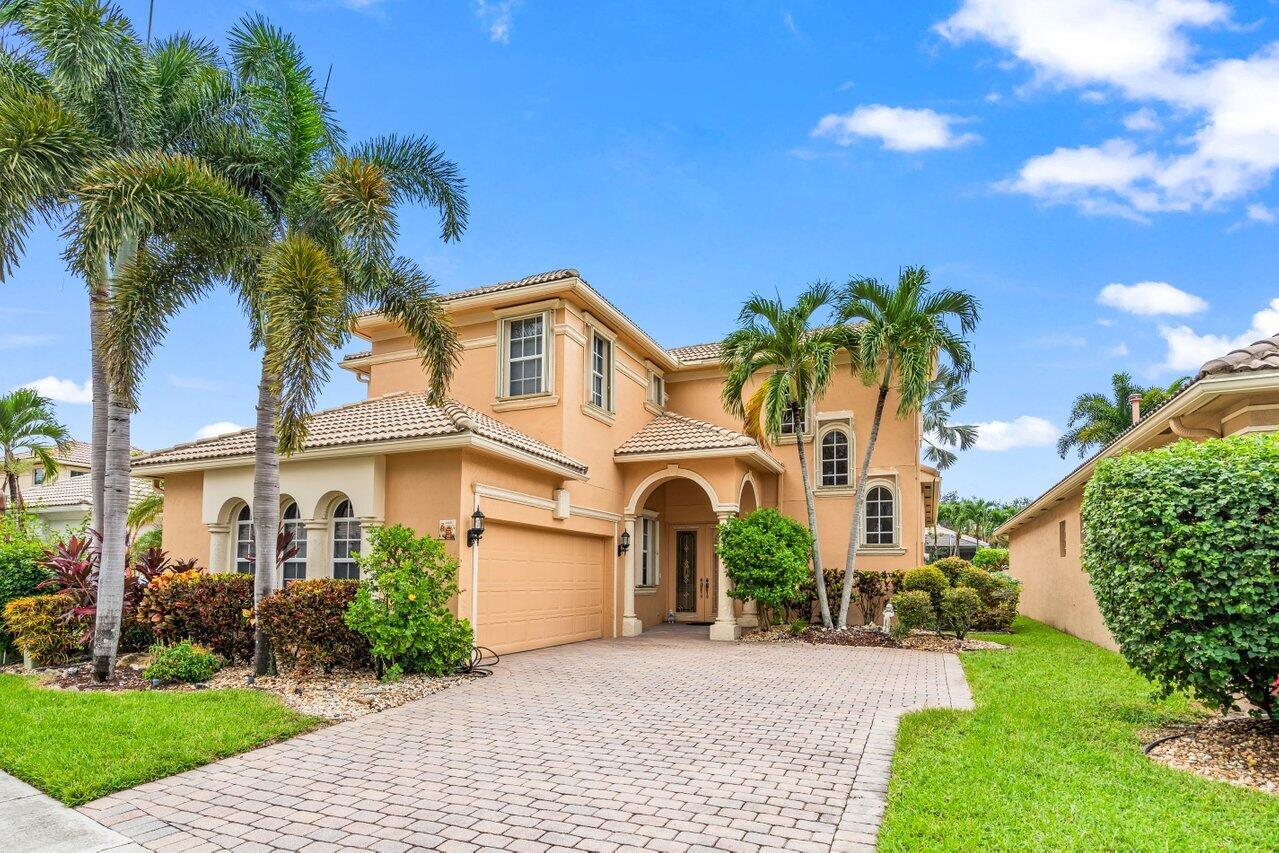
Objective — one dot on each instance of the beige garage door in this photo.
(539, 588)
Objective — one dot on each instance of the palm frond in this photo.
(418, 171)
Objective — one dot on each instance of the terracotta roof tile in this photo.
(669, 433)
(695, 352)
(1263, 355)
(401, 415)
(79, 454)
(76, 491)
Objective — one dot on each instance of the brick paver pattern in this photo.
(663, 742)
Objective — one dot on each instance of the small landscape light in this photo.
(155, 682)
(624, 542)
(476, 533)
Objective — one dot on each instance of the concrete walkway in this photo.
(31, 821)
(665, 742)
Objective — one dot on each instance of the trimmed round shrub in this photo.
(960, 609)
(306, 622)
(913, 609)
(951, 567)
(926, 579)
(991, 559)
(212, 610)
(1180, 550)
(185, 662)
(40, 627)
(766, 555)
(976, 579)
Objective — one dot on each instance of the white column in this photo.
(725, 626)
(631, 624)
(219, 548)
(318, 564)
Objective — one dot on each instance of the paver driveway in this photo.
(667, 742)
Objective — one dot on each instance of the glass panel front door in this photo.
(686, 571)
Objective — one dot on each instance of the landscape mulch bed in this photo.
(925, 641)
(1239, 750)
(341, 695)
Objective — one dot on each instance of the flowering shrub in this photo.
(1180, 551)
(402, 605)
(212, 610)
(766, 555)
(184, 662)
(307, 626)
(40, 628)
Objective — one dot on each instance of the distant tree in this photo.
(1096, 419)
(29, 435)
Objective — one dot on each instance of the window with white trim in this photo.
(881, 516)
(37, 475)
(244, 541)
(525, 356)
(601, 396)
(649, 552)
(656, 389)
(292, 524)
(834, 459)
(788, 422)
(346, 542)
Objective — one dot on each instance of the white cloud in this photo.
(1025, 431)
(1119, 350)
(1260, 213)
(215, 429)
(1144, 120)
(1188, 350)
(1139, 50)
(194, 383)
(63, 390)
(495, 15)
(1105, 321)
(897, 128)
(21, 341)
(1151, 298)
(788, 21)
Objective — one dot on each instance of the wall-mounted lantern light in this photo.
(477, 528)
(623, 543)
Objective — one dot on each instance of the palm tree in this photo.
(797, 361)
(29, 435)
(1096, 420)
(946, 392)
(94, 129)
(326, 255)
(896, 337)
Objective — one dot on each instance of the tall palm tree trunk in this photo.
(111, 560)
(266, 508)
(850, 572)
(98, 313)
(819, 577)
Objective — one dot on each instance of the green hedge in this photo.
(1180, 547)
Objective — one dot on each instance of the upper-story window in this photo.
(834, 458)
(525, 356)
(244, 541)
(656, 389)
(788, 422)
(601, 372)
(75, 474)
(37, 475)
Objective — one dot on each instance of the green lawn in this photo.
(79, 746)
(1050, 761)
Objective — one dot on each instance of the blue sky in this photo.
(1098, 173)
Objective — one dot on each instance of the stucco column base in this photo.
(632, 626)
(750, 614)
(725, 631)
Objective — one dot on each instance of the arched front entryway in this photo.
(671, 571)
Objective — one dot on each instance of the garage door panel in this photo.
(539, 588)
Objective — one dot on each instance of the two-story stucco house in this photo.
(572, 431)
(63, 502)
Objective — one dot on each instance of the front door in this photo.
(692, 584)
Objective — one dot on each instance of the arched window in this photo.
(292, 524)
(244, 541)
(346, 542)
(834, 458)
(881, 527)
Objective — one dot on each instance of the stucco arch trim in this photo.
(749, 479)
(674, 472)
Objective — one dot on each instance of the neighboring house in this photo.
(1232, 395)
(65, 501)
(572, 431)
(939, 541)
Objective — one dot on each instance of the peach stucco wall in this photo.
(1054, 588)
(184, 533)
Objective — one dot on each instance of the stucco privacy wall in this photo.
(1055, 588)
